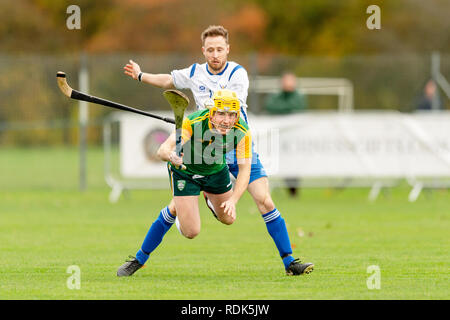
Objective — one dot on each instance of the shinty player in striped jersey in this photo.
(205, 79)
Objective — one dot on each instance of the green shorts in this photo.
(184, 184)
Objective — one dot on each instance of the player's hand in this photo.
(175, 159)
(132, 69)
(229, 207)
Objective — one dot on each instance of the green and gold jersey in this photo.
(204, 148)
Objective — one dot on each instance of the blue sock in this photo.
(277, 229)
(155, 234)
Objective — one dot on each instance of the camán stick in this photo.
(77, 95)
(178, 102)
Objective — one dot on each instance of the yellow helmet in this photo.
(226, 101)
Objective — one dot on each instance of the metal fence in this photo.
(34, 113)
(28, 91)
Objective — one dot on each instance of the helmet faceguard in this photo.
(224, 101)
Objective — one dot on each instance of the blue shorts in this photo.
(257, 171)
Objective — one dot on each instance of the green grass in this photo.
(45, 229)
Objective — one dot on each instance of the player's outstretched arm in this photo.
(239, 187)
(133, 70)
(242, 178)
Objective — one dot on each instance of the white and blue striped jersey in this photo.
(203, 83)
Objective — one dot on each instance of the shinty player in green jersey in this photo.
(207, 135)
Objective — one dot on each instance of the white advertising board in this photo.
(140, 138)
(316, 145)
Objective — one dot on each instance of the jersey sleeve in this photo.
(244, 146)
(182, 78)
(239, 83)
(186, 130)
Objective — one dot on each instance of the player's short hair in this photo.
(214, 31)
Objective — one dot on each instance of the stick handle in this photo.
(88, 98)
(178, 147)
(77, 95)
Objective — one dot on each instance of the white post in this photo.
(375, 191)
(435, 66)
(83, 120)
(415, 192)
(438, 77)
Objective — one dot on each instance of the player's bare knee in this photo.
(268, 203)
(228, 220)
(191, 233)
(265, 203)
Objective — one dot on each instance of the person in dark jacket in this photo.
(430, 92)
(288, 100)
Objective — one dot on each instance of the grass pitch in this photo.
(45, 229)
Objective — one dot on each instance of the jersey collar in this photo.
(218, 74)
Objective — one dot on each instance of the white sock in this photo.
(211, 205)
(177, 223)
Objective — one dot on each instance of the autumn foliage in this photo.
(319, 27)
